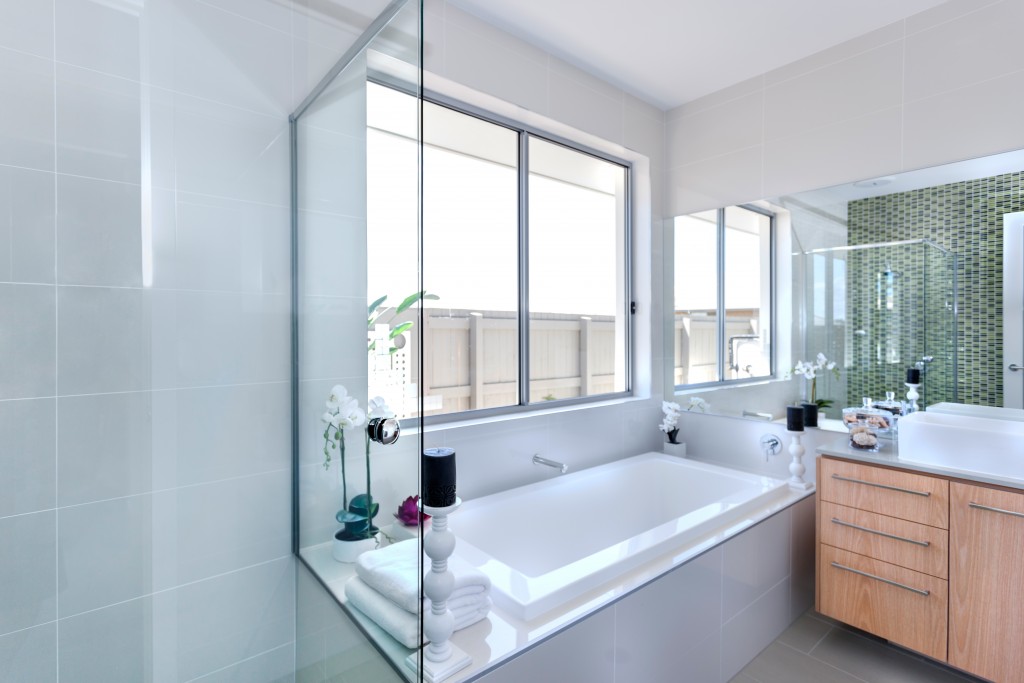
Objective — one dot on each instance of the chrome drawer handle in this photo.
(882, 486)
(979, 506)
(923, 544)
(879, 578)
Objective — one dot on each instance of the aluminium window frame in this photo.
(773, 314)
(525, 132)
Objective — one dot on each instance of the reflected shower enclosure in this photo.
(878, 309)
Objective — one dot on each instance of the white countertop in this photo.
(889, 455)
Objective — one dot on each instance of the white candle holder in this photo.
(912, 397)
(441, 659)
(796, 467)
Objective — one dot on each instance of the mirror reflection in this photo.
(918, 270)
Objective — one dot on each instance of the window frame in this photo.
(524, 133)
(773, 313)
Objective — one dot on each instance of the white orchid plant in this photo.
(811, 370)
(343, 412)
(672, 410)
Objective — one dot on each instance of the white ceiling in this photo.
(669, 52)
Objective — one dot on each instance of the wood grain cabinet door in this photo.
(986, 582)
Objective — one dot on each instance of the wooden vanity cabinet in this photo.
(986, 602)
(882, 552)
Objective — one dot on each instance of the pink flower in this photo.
(409, 513)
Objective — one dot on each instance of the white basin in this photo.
(965, 443)
(978, 411)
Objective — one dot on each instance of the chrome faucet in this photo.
(560, 466)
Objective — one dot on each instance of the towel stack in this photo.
(386, 589)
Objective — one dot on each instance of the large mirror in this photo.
(920, 269)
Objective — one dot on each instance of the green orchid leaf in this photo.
(409, 301)
(399, 330)
(375, 304)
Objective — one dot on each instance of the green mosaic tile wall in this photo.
(967, 219)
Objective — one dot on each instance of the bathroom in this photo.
(146, 502)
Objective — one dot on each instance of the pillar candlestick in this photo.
(441, 659)
(796, 467)
(912, 397)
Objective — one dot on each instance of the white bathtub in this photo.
(546, 543)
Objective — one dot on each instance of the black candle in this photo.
(810, 414)
(795, 418)
(913, 376)
(437, 477)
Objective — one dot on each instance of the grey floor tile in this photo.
(742, 678)
(780, 663)
(805, 633)
(875, 661)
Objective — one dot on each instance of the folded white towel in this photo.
(403, 626)
(392, 572)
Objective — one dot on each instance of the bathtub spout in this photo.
(560, 466)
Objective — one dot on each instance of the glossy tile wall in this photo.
(941, 86)
(144, 293)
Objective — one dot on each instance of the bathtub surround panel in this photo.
(677, 626)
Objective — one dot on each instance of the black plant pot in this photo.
(810, 414)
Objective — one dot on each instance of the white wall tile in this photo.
(946, 11)
(215, 338)
(845, 90)
(126, 548)
(223, 57)
(222, 245)
(325, 156)
(711, 132)
(976, 47)
(183, 633)
(213, 433)
(324, 240)
(702, 659)
(745, 88)
(104, 340)
(99, 124)
(27, 27)
(30, 655)
(573, 102)
(26, 124)
(28, 458)
(28, 574)
(720, 181)
(962, 124)
(868, 146)
(29, 316)
(106, 447)
(831, 56)
(26, 225)
(273, 666)
(490, 62)
(329, 345)
(251, 159)
(99, 232)
(101, 36)
(334, 23)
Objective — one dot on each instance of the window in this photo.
(525, 266)
(723, 293)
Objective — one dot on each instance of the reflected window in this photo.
(724, 296)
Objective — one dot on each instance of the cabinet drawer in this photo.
(893, 493)
(904, 606)
(915, 546)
